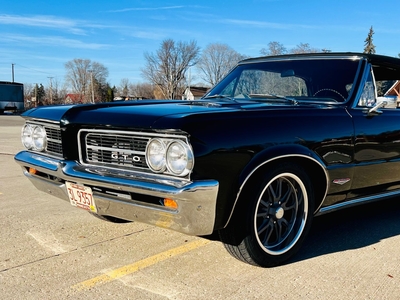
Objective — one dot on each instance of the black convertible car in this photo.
(278, 141)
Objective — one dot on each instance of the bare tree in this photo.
(123, 89)
(142, 90)
(304, 48)
(85, 76)
(216, 61)
(166, 69)
(53, 90)
(28, 92)
(274, 48)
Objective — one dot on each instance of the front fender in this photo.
(275, 155)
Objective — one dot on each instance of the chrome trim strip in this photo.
(196, 200)
(350, 203)
(41, 121)
(365, 73)
(308, 57)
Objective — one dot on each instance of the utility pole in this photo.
(12, 71)
(51, 90)
(91, 74)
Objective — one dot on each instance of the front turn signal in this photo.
(33, 171)
(170, 203)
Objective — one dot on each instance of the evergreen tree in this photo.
(39, 93)
(110, 93)
(369, 45)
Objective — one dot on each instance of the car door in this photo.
(377, 142)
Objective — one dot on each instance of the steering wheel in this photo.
(330, 91)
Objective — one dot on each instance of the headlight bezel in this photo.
(168, 168)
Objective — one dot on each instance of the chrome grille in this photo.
(105, 148)
(53, 140)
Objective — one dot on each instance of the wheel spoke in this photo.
(276, 191)
(265, 204)
(283, 228)
(268, 234)
(263, 209)
(264, 225)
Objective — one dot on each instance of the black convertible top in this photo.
(372, 58)
(385, 67)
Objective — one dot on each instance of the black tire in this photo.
(273, 217)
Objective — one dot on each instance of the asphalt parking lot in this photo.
(51, 250)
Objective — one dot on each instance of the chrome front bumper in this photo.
(195, 214)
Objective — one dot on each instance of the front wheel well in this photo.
(315, 171)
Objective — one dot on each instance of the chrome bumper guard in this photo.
(196, 200)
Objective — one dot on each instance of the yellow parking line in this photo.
(144, 263)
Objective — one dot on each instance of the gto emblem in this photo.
(341, 181)
(125, 157)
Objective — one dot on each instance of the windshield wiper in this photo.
(216, 96)
(274, 96)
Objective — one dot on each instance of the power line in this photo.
(33, 69)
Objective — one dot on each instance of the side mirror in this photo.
(375, 109)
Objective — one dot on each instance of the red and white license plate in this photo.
(81, 196)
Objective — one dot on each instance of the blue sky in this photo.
(39, 37)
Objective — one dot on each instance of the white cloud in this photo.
(146, 8)
(52, 41)
(49, 22)
(261, 24)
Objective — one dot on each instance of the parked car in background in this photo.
(277, 142)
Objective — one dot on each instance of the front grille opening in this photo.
(115, 150)
(121, 150)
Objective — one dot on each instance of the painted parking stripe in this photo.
(144, 263)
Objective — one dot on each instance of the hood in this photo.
(137, 114)
(142, 114)
(52, 113)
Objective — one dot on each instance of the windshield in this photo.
(308, 79)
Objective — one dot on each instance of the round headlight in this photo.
(179, 158)
(155, 155)
(39, 138)
(26, 136)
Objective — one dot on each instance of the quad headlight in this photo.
(169, 156)
(34, 137)
(26, 136)
(155, 155)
